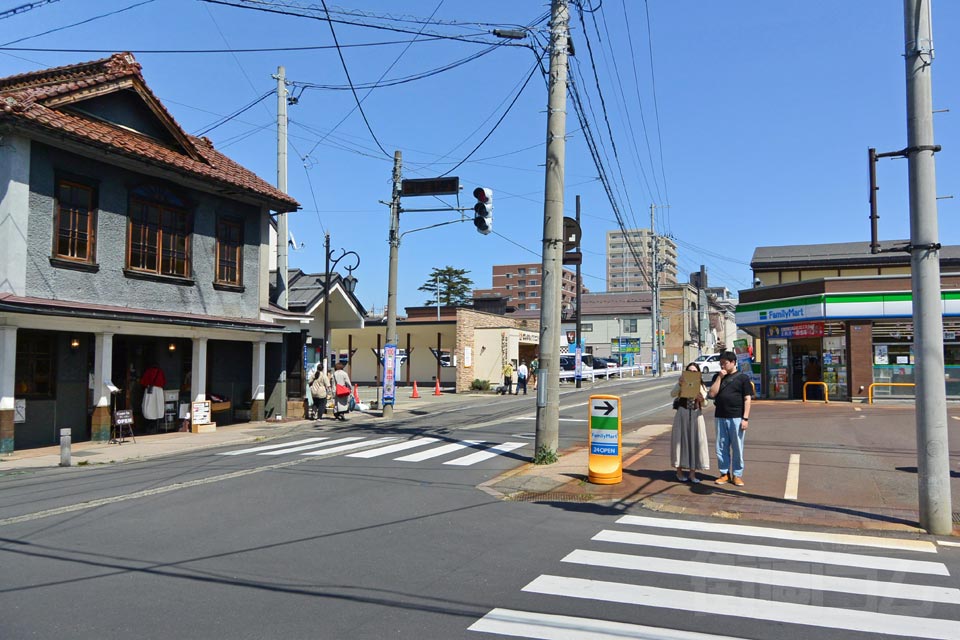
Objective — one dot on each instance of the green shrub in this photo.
(480, 385)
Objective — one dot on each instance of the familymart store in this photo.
(846, 333)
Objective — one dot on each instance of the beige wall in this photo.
(481, 332)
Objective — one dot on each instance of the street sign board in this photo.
(605, 461)
(572, 257)
(389, 374)
(571, 233)
(430, 186)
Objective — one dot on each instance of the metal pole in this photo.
(548, 403)
(874, 217)
(394, 240)
(655, 294)
(933, 463)
(282, 228)
(438, 297)
(326, 304)
(580, 379)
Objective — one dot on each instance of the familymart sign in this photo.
(838, 307)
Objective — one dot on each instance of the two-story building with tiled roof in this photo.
(127, 246)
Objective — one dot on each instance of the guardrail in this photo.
(885, 384)
(826, 395)
(593, 374)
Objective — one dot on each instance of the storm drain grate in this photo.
(532, 496)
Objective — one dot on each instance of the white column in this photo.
(259, 369)
(198, 375)
(14, 213)
(8, 364)
(102, 369)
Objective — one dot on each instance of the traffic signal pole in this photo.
(933, 451)
(548, 376)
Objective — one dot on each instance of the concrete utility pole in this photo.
(933, 458)
(655, 293)
(394, 240)
(548, 378)
(282, 230)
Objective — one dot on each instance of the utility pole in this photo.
(655, 293)
(933, 462)
(394, 240)
(282, 231)
(548, 378)
(580, 378)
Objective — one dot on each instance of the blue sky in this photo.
(756, 133)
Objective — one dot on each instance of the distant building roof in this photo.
(50, 103)
(840, 253)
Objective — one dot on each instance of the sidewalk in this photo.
(162, 444)
(856, 464)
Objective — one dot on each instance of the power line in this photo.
(219, 51)
(75, 24)
(385, 72)
(9, 13)
(656, 108)
(241, 110)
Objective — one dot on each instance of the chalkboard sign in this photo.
(123, 417)
(200, 412)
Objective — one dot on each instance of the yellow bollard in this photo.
(606, 458)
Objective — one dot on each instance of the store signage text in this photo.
(801, 330)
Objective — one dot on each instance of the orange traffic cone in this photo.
(436, 389)
(415, 394)
(356, 393)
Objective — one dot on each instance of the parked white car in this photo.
(709, 364)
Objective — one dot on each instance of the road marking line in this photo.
(348, 447)
(492, 452)
(752, 608)
(304, 447)
(268, 447)
(793, 477)
(439, 451)
(547, 626)
(792, 579)
(777, 553)
(393, 448)
(781, 534)
(93, 504)
(948, 543)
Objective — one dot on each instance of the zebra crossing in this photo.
(475, 451)
(667, 567)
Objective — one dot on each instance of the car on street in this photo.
(604, 363)
(709, 363)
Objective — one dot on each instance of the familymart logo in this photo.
(792, 313)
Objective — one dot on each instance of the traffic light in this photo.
(483, 210)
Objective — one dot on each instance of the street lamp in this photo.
(619, 343)
(349, 283)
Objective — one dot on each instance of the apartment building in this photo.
(623, 273)
(522, 284)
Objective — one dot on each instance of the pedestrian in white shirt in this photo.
(522, 373)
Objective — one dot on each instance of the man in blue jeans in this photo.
(731, 392)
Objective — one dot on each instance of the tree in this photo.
(455, 287)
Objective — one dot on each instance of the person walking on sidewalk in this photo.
(319, 390)
(688, 439)
(341, 400)
(522, 378)
(508, 378)
(731, 392)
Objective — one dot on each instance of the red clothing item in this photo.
(153, 377)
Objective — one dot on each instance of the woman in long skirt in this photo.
(688, 439)
(341, 403)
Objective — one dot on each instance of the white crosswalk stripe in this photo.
(269, 447)
(892, 595)
(385, 446)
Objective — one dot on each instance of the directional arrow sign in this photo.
(604, 408)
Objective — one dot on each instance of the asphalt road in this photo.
(360, 531)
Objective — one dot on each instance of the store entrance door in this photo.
(805, 359)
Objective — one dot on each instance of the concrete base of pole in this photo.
(64, 447)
